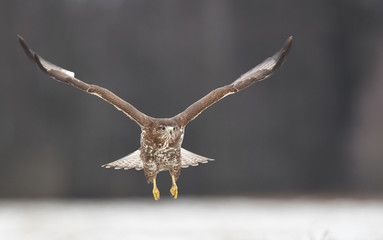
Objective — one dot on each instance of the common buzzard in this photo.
(161, 138)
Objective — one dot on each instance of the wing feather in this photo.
(66, 76)
(258, 73)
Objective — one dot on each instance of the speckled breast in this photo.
(167, 158)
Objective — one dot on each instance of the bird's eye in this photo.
(175, 128)
(163, 128)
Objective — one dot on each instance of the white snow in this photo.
(192, 218)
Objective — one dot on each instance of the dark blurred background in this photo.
(313, 127)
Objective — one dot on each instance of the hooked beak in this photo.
(170, 130)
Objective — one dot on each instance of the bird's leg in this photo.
(174, 189)
(156, 192)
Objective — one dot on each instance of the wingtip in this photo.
(20, 37)
(288, 43)
(31, 54)
(27, 50)
(23, 44)
(282, 54)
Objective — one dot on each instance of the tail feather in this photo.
(191, 159)
(133, 160)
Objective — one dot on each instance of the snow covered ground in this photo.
(192, 218)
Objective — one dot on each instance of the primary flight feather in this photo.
(161, 138)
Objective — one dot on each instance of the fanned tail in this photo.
(133, 160)
(191, 159)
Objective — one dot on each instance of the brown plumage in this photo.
(161, 138)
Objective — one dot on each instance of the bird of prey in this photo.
(161, 138)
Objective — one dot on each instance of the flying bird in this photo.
(161, 138)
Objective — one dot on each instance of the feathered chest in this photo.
(156, 151)
(161, 159)
(167, 156)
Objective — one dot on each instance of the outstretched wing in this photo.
(260, 72)
(67, 77)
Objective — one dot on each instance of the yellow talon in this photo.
(174, 189)
(156, 192)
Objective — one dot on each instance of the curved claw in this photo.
(156, 194)
(174, 191)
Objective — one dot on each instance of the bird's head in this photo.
(169, 133)
(169, 130)
(165, 133)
